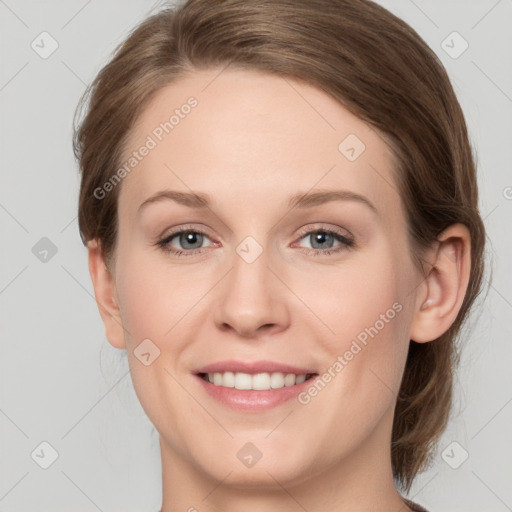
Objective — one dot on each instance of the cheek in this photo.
(367, 309)
(152, 300)
(141, 314)
(152, 296)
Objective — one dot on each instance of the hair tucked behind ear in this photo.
(376, 66)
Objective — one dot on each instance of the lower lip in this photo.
(253, 400)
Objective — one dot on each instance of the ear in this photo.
(440, 295)
(104, 291)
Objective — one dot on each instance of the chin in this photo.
(273, 467)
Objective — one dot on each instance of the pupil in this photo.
(320, 237)
(192, 238)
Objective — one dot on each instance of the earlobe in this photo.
(442, 292)
(104, 291)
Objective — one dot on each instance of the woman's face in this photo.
(262, 284)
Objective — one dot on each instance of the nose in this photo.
(252, 299)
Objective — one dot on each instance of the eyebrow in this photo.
(190, 199)
(311, 199)
(301, 200)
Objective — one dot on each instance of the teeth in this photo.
(300, 379)
(243, 381)
(259, 381)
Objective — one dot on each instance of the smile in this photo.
(258, 381)
(253, 386)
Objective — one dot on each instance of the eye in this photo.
(322, 241)
(189, 241)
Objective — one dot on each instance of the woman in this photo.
(280, 374)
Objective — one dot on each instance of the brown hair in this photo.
(372, 63)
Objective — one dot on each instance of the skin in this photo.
(252, 141)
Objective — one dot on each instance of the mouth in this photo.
(253, 386)
(264, 381)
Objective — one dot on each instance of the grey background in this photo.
(61, 381)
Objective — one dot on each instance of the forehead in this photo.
(246, 136)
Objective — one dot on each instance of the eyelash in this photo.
(346, 243)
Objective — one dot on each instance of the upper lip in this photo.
(252, 367)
